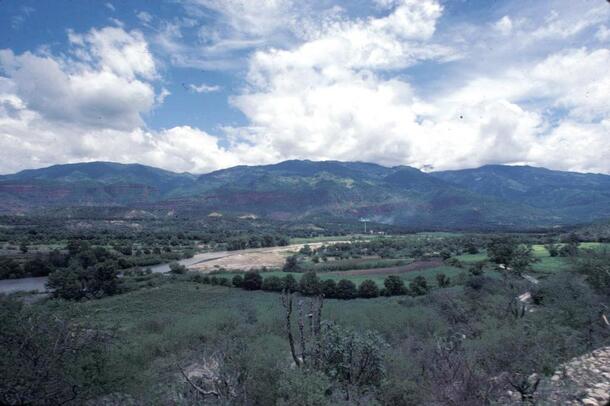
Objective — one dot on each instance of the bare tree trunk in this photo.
(317, 320)
(287, 303)
(302, 331)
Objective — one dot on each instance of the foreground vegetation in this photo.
(461, 332)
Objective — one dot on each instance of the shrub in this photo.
(477, 268)
(346, 289)
(329, 288)
(177, 268)
(291, 264)
(394, 285)
(500, 250)
(224, 282)
(419, 286)
(368, 289)
(76, 283)
(442, 280)
(309, 284)
(290, 283)
(303, 387)
(252, 281)
(238, 281)
(273, 284)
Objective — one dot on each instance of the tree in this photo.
(75, 282)
(290, 283)
(553, 249)
(394, 285)
(177, 268)
(329, 288)
(252, 281)
(273, 284)
(346, 289)
(442, 280)
(500, 249)
(471, 248)
(309, 285)
(353, 359)
(291, 264)
(570, 248)
(238, 281)
(522, 258)
(368, 289)
(419, 286)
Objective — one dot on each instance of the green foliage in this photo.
(368, 289)
(309, 285)
(346, 289)
(501, 249)
(521, 259)
(419, 286)
(303, 387)
(237, 281)
(329, 288)
(596, 268)
(553, 249)
(252, 281)
(291, 264)
(290, 283)
(394, 285)
(48, 360)
(354, 359)
(76, 283)
(177, 268)
(442, 280)
(273, 283)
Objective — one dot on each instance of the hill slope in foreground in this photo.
(490, 196)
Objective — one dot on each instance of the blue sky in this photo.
(198, 85)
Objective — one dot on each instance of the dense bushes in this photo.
(49, 360)
(76, 282)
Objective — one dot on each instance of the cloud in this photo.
(203, 88)
(105, 85)
(144, 17)
(602, 34)
(89, 105)
(397, 87)
(335, 97)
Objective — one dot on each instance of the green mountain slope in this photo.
(488, 197)
(570, 195)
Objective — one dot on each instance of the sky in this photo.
(199, 85)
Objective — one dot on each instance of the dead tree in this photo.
(309, 338)
(287, 303)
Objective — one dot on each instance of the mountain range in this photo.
(487, 197)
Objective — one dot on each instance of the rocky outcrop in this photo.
(581, 381)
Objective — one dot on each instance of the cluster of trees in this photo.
(256, 241)
(311, 285)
